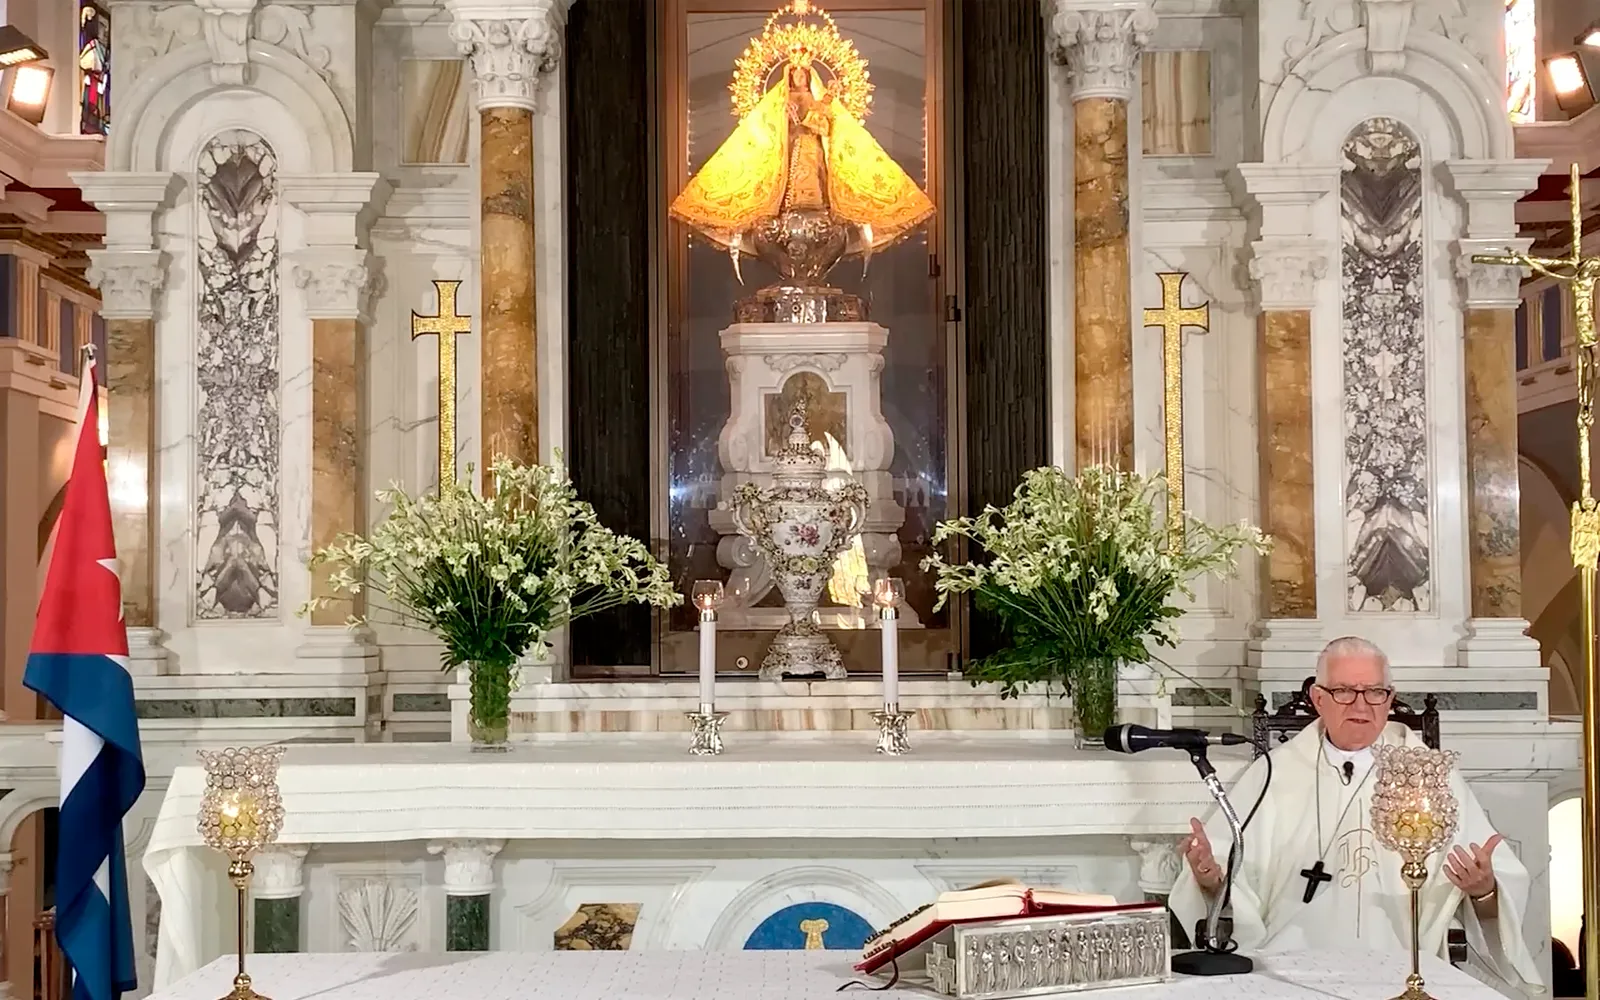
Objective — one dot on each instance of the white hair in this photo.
(1350, 646)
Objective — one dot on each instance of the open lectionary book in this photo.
(989, 901)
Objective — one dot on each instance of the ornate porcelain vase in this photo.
(800, 525)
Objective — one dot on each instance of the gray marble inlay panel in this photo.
(1387, 530)
(1201, 697)
(237, 423)
(246, 708)
(421, 703)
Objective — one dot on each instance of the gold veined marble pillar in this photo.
(509, 378)
(1099, 44)
(337, 455)
(1102, 329)
(1287, 277)
(1494, 539)
(335, 283)
(1288, 497)
(510, 44)
(128, 282)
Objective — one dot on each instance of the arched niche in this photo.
(1317, 98)
(158, 115)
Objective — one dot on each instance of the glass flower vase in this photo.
(489, 714)
(1093, 684)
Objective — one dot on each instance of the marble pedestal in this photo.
(837, 369)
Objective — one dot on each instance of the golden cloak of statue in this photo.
(799, 149)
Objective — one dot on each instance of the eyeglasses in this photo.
(1347, 696)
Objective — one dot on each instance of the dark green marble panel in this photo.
(247, 708)
(466, 923)
(277, 930)
(421, 703)
(1195, 697)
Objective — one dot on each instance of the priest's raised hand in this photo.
(1315, 877)
(1197, 852)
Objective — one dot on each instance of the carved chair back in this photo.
(1273, 728)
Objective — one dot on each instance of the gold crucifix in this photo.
(1173, 318)
(446, 324)
(1583, 274)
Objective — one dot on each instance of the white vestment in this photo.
(1366, 904)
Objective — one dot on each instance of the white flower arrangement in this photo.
(1080, 572)
(490, 576)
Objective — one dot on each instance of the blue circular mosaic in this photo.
(810, 925)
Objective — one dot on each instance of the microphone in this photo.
(1349, 771)
(1129, 738)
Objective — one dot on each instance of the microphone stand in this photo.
(1216, 955)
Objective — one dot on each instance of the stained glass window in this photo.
(94, 68)
(1521, 60)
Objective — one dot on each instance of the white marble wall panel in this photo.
(1423, 637)
(200, 646)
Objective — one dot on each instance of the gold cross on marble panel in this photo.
(1172, 317)
(446, 324)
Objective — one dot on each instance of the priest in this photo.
(1315, 876)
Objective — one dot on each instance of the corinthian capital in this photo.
(1287, 272)
(510, 45)
(468, 865)
(1490, 286)
(336, 281)
(1099, 42)
(128, 280)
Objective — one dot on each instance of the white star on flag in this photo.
(115, 566)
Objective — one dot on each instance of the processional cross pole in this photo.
(1583, 274)
(446, 324)
(1173, 318)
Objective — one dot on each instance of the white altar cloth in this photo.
(755, 975)
(652, 790)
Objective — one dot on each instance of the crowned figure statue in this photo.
(801, 183)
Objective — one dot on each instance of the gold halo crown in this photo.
(800, 43)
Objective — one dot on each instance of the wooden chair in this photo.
(1272, 728)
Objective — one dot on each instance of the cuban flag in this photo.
(79, 663)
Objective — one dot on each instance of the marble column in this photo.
(130, 273)
(277, 888)
(1098, 41)
(335, 277)
(128, 282)
(1496, 630)
(1289, 270)
(468, 884)
(510, 44)
(1286, 278)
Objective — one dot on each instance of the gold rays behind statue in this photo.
(801, 183)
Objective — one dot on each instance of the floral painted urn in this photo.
(800, 525)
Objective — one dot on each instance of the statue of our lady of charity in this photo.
(801, 183)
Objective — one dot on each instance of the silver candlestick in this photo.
(892, 730)
(707, 738)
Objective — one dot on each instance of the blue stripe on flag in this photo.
(95, 932)
(97, 691)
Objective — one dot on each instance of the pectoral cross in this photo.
(1583, 274)
(1314, 876)
(1173, 318)
(446, 325)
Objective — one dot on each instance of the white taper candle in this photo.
(708, 658)
(889, 618)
